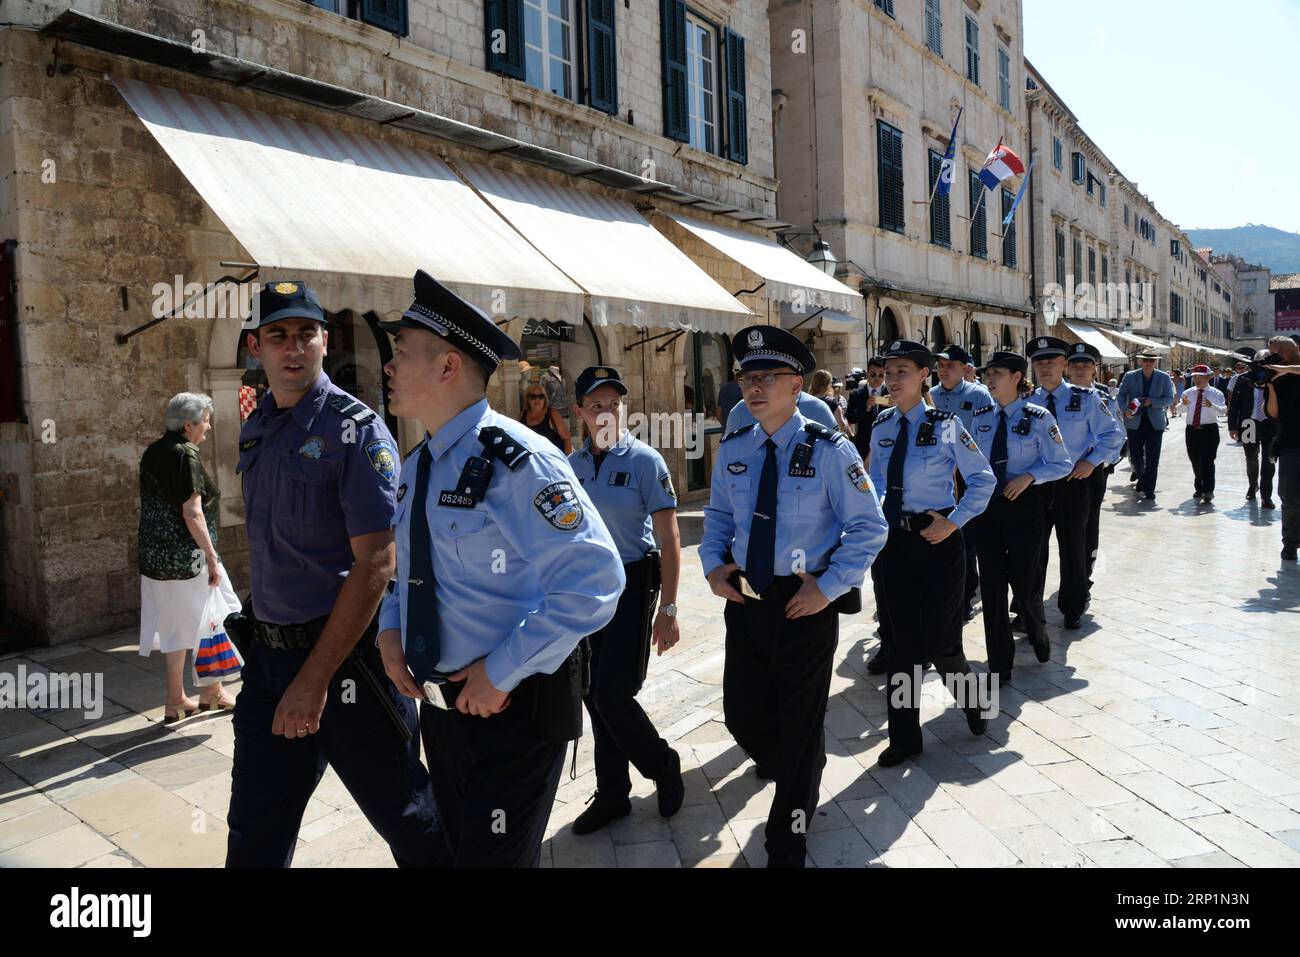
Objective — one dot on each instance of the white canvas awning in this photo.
(1199, 347)
(786, 277)
(634, 274)
(353, 216)
(1092, 336)
(1137, 340)
(828, 320)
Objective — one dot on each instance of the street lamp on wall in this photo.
(822, 257)
(1049, 312)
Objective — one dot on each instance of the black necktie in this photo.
(422, 612)
(1051, 404)
(999, 460)
(894, 476)
(760, 557)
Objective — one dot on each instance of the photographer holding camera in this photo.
(1283, 406)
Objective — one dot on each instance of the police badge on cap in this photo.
(1048, 347)
(770, 347)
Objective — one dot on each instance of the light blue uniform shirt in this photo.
(828, 520)
(1034, 443)
(963, 400)
(927, 470)
(523, 574)
(810, 407)
(1085, 421)
(633, 484)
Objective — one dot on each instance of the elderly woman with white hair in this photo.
(179, 569)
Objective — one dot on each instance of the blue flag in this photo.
(949, 168)
(1019, 196)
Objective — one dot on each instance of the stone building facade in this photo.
(867, 94)
(103, 217)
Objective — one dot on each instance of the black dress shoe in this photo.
(601, 812)
(763, 774)
(895, 754)
(1267, 503)
(1288, 553)
(1074, 624)
(1150, 496)
(1004, 677)
(1018, 625)
(1134, 476)
(670, 787)
(976, 722)
(877, 665)
(969, 614)
(1042, 648)
(1250, 495)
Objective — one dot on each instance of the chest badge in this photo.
(313, 448)
(737, 468)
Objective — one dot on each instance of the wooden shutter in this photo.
(388, 14)
(508, 17)
(672, 22)
(940, 209)
(737, 115)
(602, 61)
(1008, 240)
(889, 151)
(979, 227)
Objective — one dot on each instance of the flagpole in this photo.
(935, 188)
(1019, 196)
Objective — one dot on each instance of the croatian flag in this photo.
(949, 167)
(1002, 164)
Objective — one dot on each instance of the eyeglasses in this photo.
(538, 398)
(760, 379)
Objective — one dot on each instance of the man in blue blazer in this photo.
(1153, 392)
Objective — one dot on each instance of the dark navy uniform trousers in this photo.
(274, 777)
(1069, 503)
(1007, 535)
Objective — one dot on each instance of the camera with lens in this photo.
(1260, 375)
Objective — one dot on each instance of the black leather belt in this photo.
(916, 521)
(289, 637)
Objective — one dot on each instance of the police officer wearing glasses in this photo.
(1025, 450)
(629, 484)
(502, 567)
(319, 473)
(1092, 439)
(920, 575)
(791, 526)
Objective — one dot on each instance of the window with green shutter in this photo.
(933, 27)
(979, 227)
(388, 14)
(504, 36)
(972, 51)
(889, 154)
(1009, 238)
(672, 20)
(602, 59)
(1060, 258)
(940, 208)
(737, 108)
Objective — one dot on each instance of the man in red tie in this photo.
(1203, 403)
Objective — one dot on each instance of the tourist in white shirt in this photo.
(1202, 404)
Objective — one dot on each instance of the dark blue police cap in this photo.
(1046, 347)
(1007, 360)
(908, 349)
(438, 310)
(1082, 352)
(593, 377)
(288, 299)
(770, 347)
(953, 354)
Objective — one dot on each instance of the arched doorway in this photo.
(976, 344)
(888, 328)
(938, 337)
(1006, 337)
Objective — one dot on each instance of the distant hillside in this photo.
(1261, 245)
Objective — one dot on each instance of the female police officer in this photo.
(920, 574)
(628, 482)
(1024, 447)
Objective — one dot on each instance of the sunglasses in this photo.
(533, 396)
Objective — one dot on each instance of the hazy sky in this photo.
(1198, 102)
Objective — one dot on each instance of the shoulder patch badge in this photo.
(666, 481)
(382, 458)
(1055, 433)
(559, 505)
(313, 448)
(968, 440)
(858, 476)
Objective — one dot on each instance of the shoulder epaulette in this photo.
(886, 415)
(938, 415)
(347, 406)
(1036, 411)
(498, 444)
(740, 431)
(983, 411)
(821, 432)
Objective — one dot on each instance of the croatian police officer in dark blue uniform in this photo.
(920, 574)
(1025, 450)
(1092, 439)
(629, 484)
(791, 526)
(319, 474)
(503, 566)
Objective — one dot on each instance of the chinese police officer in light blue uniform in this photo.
(503, 566)
(791, 526)
(920, 574)
(629, 484)
(1081, 369)
(1025, 450)
(961, 398)
(1092, 439)
(319, 473)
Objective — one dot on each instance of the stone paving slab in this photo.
(1166, 732)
